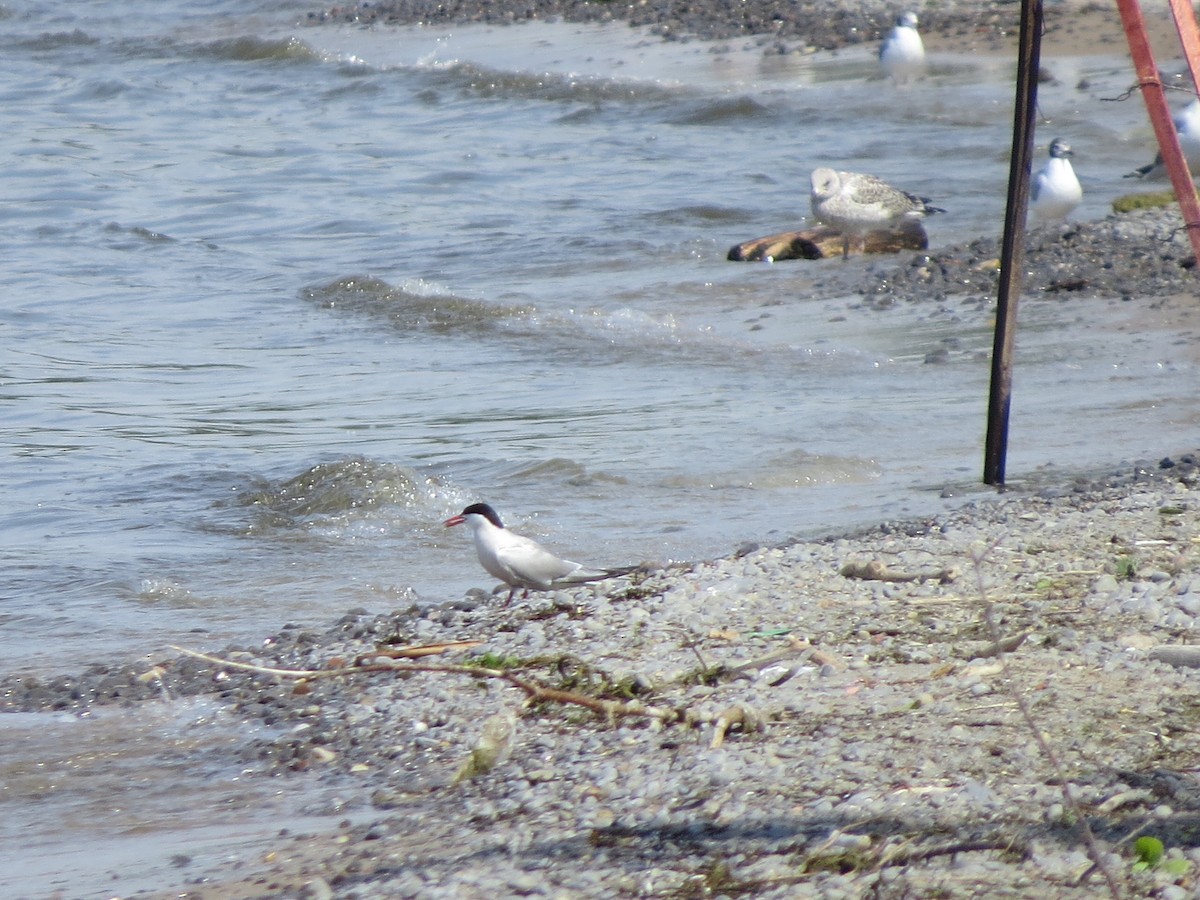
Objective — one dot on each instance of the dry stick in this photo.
(899, 858)
(537, 692)
(875, 570)
(1124, 840)
(691, 644)
(609, 708)
(1089, 837)
(903, 856)
(252, 667)
(796, 647)
(413, 651)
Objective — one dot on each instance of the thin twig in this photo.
(1124, 840)
(417, 650)
(903, 856)
(254, 667)
(899, 858)
(1089, 837)
(796, 647)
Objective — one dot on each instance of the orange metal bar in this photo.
(1160, 113)
(1189, 36)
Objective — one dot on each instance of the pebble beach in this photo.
(925, 708)
(998, 701)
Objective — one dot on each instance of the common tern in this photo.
(902, 54)
(856, 204)
(1055, 191)
(519, 561)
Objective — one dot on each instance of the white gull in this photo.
(1055, 191)
(856, 204)
(902, 54)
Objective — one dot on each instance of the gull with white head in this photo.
(856, 204)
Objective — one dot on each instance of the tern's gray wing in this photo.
(532, 565)
(582, 575)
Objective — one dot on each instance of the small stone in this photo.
(1136, 641)
(316, 889)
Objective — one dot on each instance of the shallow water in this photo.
(137, 799)
(278, 299)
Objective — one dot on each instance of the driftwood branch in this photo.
(536, 692)
(875, 570)
(823, 242)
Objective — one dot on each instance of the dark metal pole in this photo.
(1012, 252)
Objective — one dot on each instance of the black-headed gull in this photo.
(519, 561)
(856, 204)
(902, 54)
(1055, 191)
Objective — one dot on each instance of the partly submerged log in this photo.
(822, 242)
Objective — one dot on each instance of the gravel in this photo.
(1144, 253)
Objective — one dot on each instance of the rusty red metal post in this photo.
(1189, 36)
(1155, 97)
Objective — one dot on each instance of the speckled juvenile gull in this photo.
(1055, 191)
(902, 54)
(856, 204)
(1187, 124)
